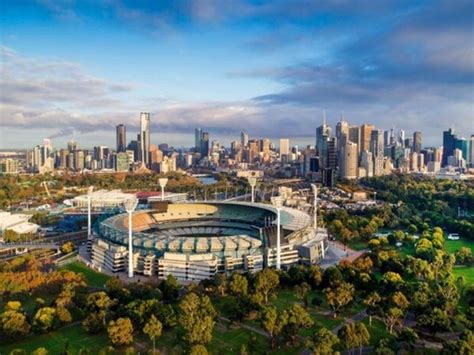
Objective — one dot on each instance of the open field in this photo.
(453, 246)
(55, 341)
(93, 278)
(466, 271)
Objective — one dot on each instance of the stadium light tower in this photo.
(130, 205)
(278, 202)
(252, 182)
(89, 203)
(163, 182)
(315, 206)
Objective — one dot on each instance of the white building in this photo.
(17, 223)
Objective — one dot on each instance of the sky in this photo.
(75, 69)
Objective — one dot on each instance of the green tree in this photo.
(302, 292)
(197, 318)
(40, 351)
(198, 349)
(14, 323)
(45, 319)
(100, 303)
(266, 282)
(372, 302)
(120, 331)
(153, 329)
(273, 323)
(67, 248)
(315, 276)
(239, 285)
(221, 283)
(323, 342)
(435, 320)
(297, 319)
(339, 296)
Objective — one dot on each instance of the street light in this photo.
(277, 202)
(163, 182)
(89, 202)
(252, 182)
(130, 205)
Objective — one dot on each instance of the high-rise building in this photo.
(197, 140)
(265, 145)
(349, 163)
(463, 145)
(365, 132)
(417, 142)
(205, 144)
(367, 163)
(144, 138)
(355, 136)
(78, 160)
(449, 144)
(244, 139)
(471, 151)
(63, 153)
(322, 135)
(342, 134)
(377, 150)
(284, 147)
(72, 146)
(121, 137)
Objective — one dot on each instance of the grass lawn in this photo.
(358, 245)
(93, 278)
(285, 299)
(466, 271)
(377, 331)
(54, 341)
(452, 246)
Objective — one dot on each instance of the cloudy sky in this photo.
(76, 69)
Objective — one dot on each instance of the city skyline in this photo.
(76, 70)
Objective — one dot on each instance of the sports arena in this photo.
(194, 241)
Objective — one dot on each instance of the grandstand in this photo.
(226, 235)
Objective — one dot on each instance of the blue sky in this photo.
(75, 69)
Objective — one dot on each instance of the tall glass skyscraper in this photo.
(121, 138)
(145, 137)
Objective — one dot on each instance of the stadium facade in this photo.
(194, 241)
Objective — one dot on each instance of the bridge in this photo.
(30, 245)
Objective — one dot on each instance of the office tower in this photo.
(122, 162)
(284, 147)
(322, 135)
(349, 163)
(205, 144)
(144, 138)
(417, 142)
(197, 140)
(377, 150)
(365, 132)
(252, 151)
(386, 138)
(355, 136)
(78, 160)
(244, 139)
(342, 134)
(449, 142)
(367, 163)
(463, 145)
(265, 145)
(121, 136)
(72, 146)
(471, 151)
(401, 137)
(47, 149)
(63, 153)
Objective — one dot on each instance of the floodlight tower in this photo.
(89, 203)
(130, 205)
(163, 182)
(375, 196)
(278, 202)
(252, 182)
(315, 206)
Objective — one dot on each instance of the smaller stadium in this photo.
(194, 241)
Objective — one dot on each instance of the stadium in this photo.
(194, 241)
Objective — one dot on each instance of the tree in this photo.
(272, 322)
(435, 320)
(153, 329)
(93, 323)
(14, 323)
(64, 316)
(363, 336)
(408, 336)
(464, 256)
(40, 351)
(67, 248)
(99, 302)
(297, 319)
(197, 318)
(45, 319)
(120, 331)
(266, 282)
(372, 302)
(198, 350)
(393, 317)
(221, 283)
(315, 275)
(323, 342)
(239, 285)
(354, 335)
(169, 288)
(339, 296)
(302, 292)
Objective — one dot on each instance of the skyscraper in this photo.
(322, 134)
(449, 144)
(417, 142)
(284, 147)
(197, 140)
(205, 144)
(349, 163)
(377, 150)
(144, 137)
(244, 139)
(121, 138)
(365, 132)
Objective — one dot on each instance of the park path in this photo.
(245, 326)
